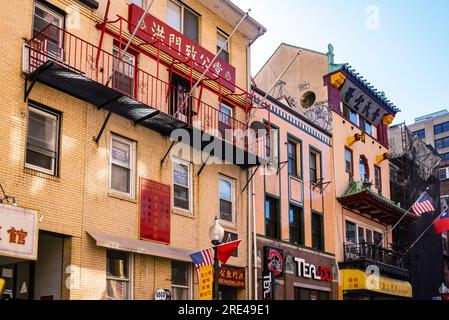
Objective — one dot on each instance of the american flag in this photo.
(423, 205)
(203, 258)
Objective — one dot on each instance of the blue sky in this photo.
(405, 54)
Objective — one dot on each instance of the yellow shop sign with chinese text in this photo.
(206, 282)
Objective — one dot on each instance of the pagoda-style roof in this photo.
(359, 196)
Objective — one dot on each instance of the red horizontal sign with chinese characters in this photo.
(179, 46)
(155, 211)
(232, 277)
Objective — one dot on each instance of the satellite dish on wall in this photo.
(257, 125)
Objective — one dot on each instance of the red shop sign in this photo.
(155, 211)
(179, 46)
(232, 277)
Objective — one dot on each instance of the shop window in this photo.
(123, 78)
(378, 178)
(43, 16)
(183, 19)
(296, 223)
(122, 170)
(317, 231)
(42, 153)
(222, 39)
(180, 280)
(272, 218)
(349, 166)
(226, 199)
(118, 270)
(182, 185)
(225, 124)
(309, 294)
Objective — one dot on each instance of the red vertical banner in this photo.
(155, 211)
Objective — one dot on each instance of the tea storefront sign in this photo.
(310, 271)
(18, 232)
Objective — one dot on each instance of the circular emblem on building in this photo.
(275, 263)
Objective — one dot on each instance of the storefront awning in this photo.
(139, 246)
(357, 281)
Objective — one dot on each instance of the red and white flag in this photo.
(423, 205)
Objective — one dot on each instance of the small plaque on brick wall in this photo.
(155, 211)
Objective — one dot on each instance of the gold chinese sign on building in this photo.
(356, 280)
(232, 277)
(206, 276)
(18, 232)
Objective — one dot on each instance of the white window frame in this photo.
(132, 72)
(132, 168)
(130, 279)
(232, 181)
(60, 25)
(57, 117)
(228, 50)
(189, 280)
(190, 184)
(365, 227)
(183, 7)
(134, 2)
(446, 171)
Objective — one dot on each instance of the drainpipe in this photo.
(252, 238)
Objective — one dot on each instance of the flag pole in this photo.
(422, 235)
(402, 218)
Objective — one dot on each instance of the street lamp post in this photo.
(216, 234)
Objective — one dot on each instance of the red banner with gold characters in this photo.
(232, 277)
(155, 211)
(181, 47)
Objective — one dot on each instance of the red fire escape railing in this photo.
(62, 47)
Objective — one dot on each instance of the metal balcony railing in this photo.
(371, 252)
(87, 60)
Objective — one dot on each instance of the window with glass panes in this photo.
(305, 294)
(348, 161)
(317, 231)
(183, 19)
(226, 199)
(44, 16)
(42, 149)
(181, 185)
(292, 154)
(139, 3)
(272, 218)
(442, 143)
(118, 270)
(350, 232)
(420, 133)
(441, 128)
(443, 174)
(314, 166)
(180, 280)
(123, 77)
(122, 170)
(225, 122)
(363, 169)
(296, 225)
(222, 39)
(378, 178)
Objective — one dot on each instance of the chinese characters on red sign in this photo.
(232, 277)
(154, 211)
(181, 47)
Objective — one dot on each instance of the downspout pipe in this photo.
(251, 224)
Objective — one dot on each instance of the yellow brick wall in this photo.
(79, 200)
